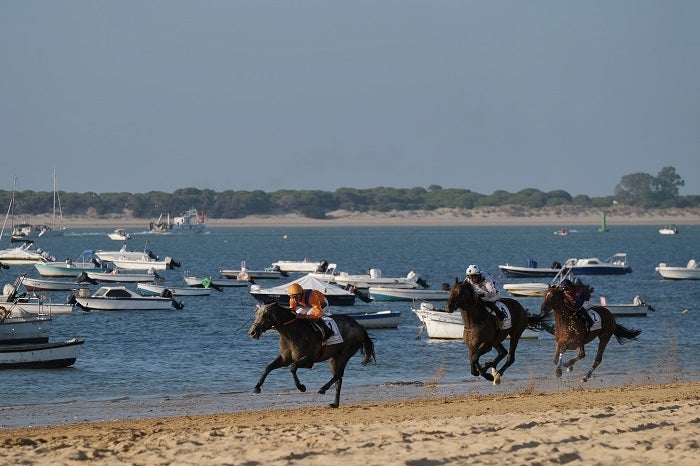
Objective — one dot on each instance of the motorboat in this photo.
(378, 319)
(689, 272)
(145, 262)
(189, 222)
(375, 278)
(440, 324)
(120, 298)
(38, 284)
(124, 253)
(40, 355)
(615, 265)
(21, 327)
(150, 289)
(531, 270)
(208, 282)
(118, 276)
(668, 230)
(390, 293)
(637, 308)
(24, 254)
(119, 235)
(335, 295)
(532, 289)
(30, 304)
(245, 273)
(304, 266)
(87, 261)
(26, 231)
(562, 232)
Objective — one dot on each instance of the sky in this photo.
(159, 95)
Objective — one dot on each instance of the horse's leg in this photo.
(509, 360)
(602, 343)
(558, 357)
(474, 359)
(581, 354)
(305, 362)
(275, 364)
(337, 365)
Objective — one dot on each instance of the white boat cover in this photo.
(306, 282)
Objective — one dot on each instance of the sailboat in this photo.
(23, 231)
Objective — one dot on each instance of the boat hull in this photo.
(380, 319)
(143, 303)
(449, 326)
(25, 330)
(40, 355)
(147, 289)
(512, 271)
(407, 294)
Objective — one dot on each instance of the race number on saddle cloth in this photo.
(507, 321)
(336, 337)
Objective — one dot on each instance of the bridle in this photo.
(273, 324)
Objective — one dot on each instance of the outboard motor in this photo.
(150, 255)
(422, 282)
(83, 278)
(323, 266)
(363, 296)
(556, 265)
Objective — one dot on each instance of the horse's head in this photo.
(461, 296)
(268, 316)
(553, 297)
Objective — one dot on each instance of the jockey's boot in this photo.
(326, 330)
(496, 310)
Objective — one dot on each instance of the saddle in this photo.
(323, 328)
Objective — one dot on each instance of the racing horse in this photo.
(301, 345)
(570, 330)
(481, 331)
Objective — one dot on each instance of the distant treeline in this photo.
(635, 190)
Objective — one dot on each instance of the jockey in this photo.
(486, 287)
(578, 296)
(309, 304)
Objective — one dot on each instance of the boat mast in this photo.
(9, 208)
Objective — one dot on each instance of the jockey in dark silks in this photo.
(578, 296)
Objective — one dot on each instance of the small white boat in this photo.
(637, 308)
(38, 284)
(208, 282)
(668, 230)
(121, 276)
(40, 305)
(87, 261)
(387, 293)
(532, 289)
(124, 253)
(379, 319)
(304, 266)
(120, 298)
(440, 324)
(562, 232)
(20, 327)
(689, 272)
(146, 263)
(119, 235)
(335, 295)
(615, 265)
(376, 278)
(244, 273)
(531, 270)
(149, 289)
(24, 254)
(40, 355)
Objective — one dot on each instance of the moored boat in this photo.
(689, 272)
(615, 265)
(379, 319)
(120, 298)
(531, 270)
(335, 295)
(150, 289)
(40, 355)
(387, 293)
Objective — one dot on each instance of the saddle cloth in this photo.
(336, 337)
(597, 322)
(507, 321)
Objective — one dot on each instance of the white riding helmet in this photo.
(473, 270)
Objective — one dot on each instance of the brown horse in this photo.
(570, 330)
(482, 333)
(301, 345)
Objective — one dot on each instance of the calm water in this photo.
(202, 358)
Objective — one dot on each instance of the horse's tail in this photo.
(367, 348)
(537, 322)
(623, 333)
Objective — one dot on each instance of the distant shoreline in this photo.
(439, 217)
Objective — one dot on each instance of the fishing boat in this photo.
(189, 222)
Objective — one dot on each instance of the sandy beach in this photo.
(649, 424)
(556, 217)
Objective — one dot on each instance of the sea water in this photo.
(201, 359)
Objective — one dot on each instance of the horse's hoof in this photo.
(256, 389)
(322, 391)
(302, 388)
(584, 379)
(333, 405)
(475, 372)
(569, 369)
(488, 377)
(558, 373)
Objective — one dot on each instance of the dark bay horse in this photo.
(481, 332)
(570, 330)
(301, 345)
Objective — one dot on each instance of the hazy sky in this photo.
(135, 96)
